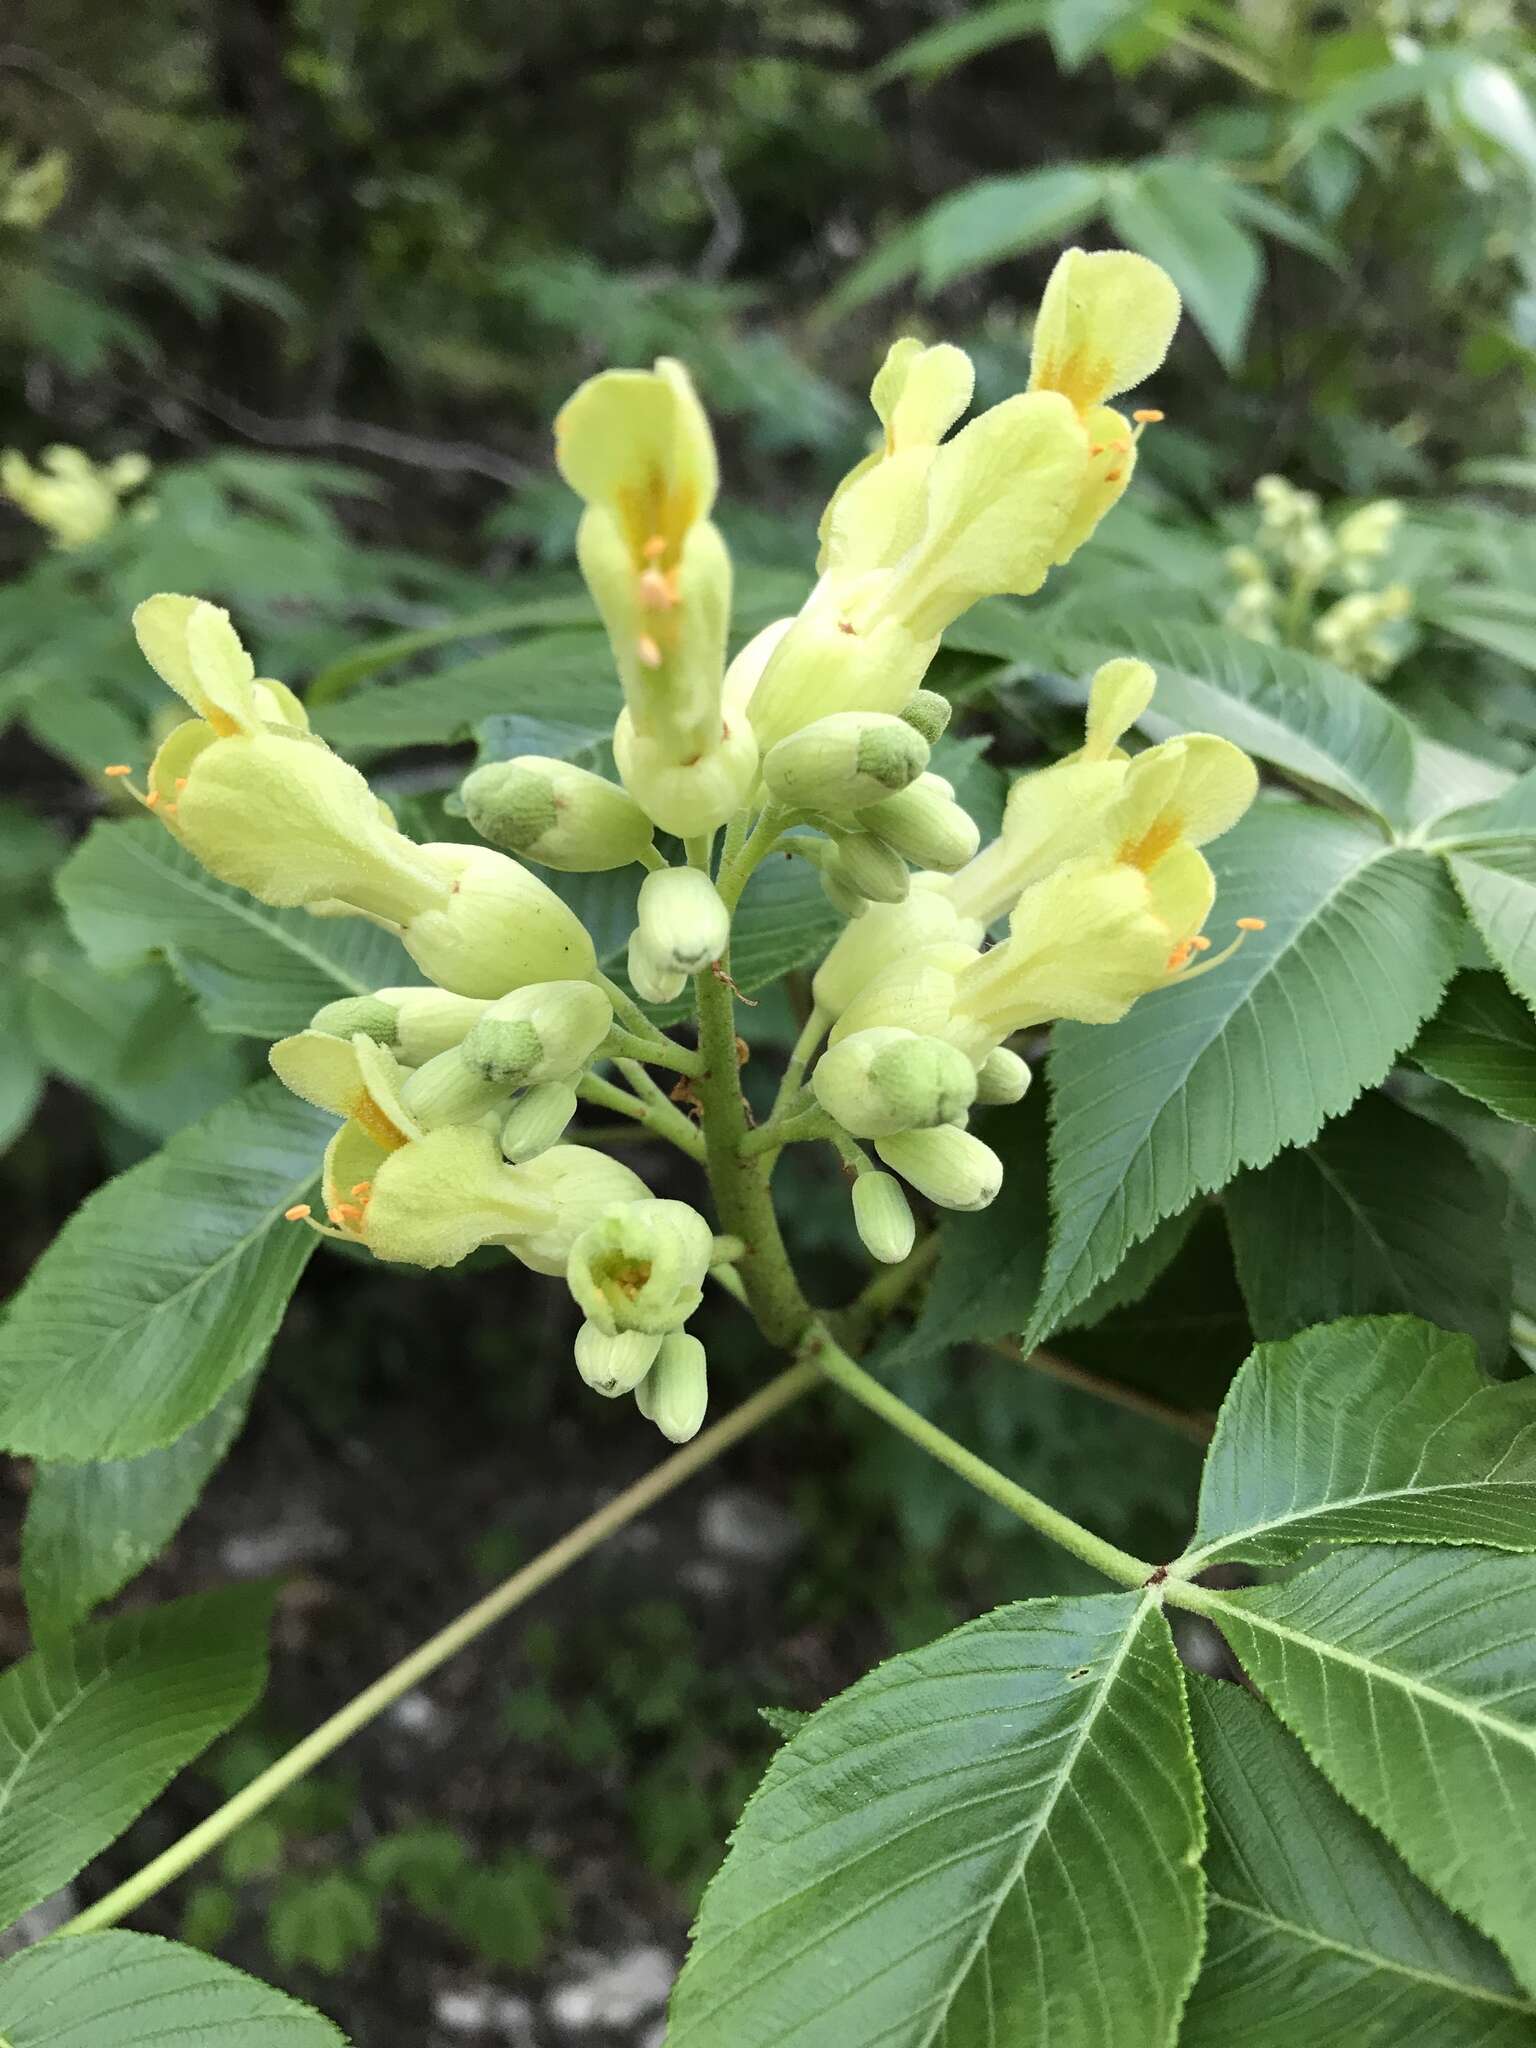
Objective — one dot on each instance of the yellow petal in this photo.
(193, 647)
(1105, 323)
(919, 392)
(339, 1074)
(1111, 465)
(1118, 695)
(1182, 889)
(637, 442)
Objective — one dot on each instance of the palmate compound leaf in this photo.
(1317, 1932)
(1376, 1430)
(118, 1990)
(131, 893)
(995, 1838)
(91, 1528)
(164, 1288)
(1202, 1080)
(1383, 1211)
(93, 1728)
(1410, 1677)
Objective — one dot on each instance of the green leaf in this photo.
(1410, 1678)
(94, 1728)
(1483, 1043)
(1202, 1080)
(1497, 882)
(131, 893)
(1383, 1211)
(996, 1838)
(1495, 616)
(941, 50)
(1306, 717)
(21, 1072)
(338, 678)
(1375, 91)
(1002, 217)
(1079, 27)
(120, 1990)
(92, 1528)
(1316, 1931)
(569, 674)
(164, 1288)
(1172, 211)
(326, 1922)
(1377, 1430)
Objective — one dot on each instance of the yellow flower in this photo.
(918, 394)
(68, 494)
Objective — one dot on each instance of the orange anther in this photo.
(656, 591)
(1251, 924)
(297, 1213)
(181, 782)
(152, 799)
(1201, 944)
(655, 547)
(118, 768)
(1097, 450)
(1147, 416)
(648, 651)
(1113, 476)
(1180, 954)
(362, 1187)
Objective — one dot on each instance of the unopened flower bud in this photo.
(840, 763)
(556, 813)
(881, 1081)
(452, 1088)
(682, 920)
(869, 868)
(675, 1392)
(537, 1121)
(883, 1217)
(653, 980)
(371, 1015)
(1002, 1076)
(688, 788)
(948, 1165)
(842, 896)
(544, 1032)
(428, 1021)
(614, 1363)
(926, 825)
(928, 713)
(499, 928)
(641, 1266)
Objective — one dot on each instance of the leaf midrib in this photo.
(1369, 1957)
(1208, 1552)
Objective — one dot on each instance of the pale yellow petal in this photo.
(1105, 323)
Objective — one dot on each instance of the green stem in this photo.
(699, 850)
(780, 1131)
(735, 874)
(661, 1480)
(665, 1113)
(811, 1034)
(625, 1006)
(741, 1191)
(658, 1115)
(657, 1052)
(830, 1358)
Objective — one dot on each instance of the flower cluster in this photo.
(455, 1096)
(74, 498)
(1296, 556)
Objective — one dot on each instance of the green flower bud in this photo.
(428, 1021)
(452, 1088)
(686, 787)
(926, 825)
(844, 899)
(545, 1032)
(500, 928)
(614, 1364)
(948, 1165)
(682, 920)
(642, 1266)
(653, 980)
(371, 1015)
(554, 812)
(881, 1081)
(883, 1217)
(1002, 1076)
(928, 713)
(869, 868)
(839, 763)
(537, 1121)
(675, 1392)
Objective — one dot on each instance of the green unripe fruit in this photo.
(681, 920)
(537, 1121)
(868, 867)
(675, 1392)
(948, 1165)
(883, 1217)
(885, 1080)
(926, 825)
(614, 1365)
(1002, 1076)
(928, 713)
(556, 813)
(842, 762)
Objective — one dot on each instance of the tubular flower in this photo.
(71, 497)
(636, 448)
(641, 1267)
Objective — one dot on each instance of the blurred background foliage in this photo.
(332, 265)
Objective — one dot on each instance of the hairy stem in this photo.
(658, 1115)
(625, 1006)
(661, 1480)
(830, 1358)
(811, 1034)
(794, 1129)
(656, 1052)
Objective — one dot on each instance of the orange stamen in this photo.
(1180, 954)
(362, 1187)
(1113, 476)
(152, 799)
(181, 782)
(648, 651)
(655, 547)
(1147, 416)
(1251, 924)
(657, 593)
(117, 768)
(1201, 944)
(297, 1213)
